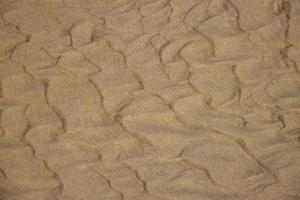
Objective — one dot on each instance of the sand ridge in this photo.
(150, 100)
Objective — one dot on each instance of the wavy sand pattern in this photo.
(150, 100)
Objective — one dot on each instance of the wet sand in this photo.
(150, 100)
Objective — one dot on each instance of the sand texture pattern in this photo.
(150, 100)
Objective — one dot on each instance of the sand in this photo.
(150, 100)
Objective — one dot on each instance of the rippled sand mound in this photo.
(150, 100)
